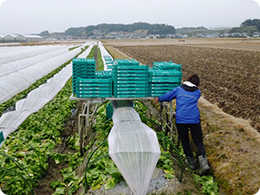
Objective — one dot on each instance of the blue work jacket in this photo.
(187, 111)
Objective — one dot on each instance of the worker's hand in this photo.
(156, 100)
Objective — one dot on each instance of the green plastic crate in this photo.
(164, 84)
(83, 61)
(131, 89)
(1, 137)
(164, 73)
(83, 67)
(127, 67)
(131, 95)
(165, 80)
(93, 96)
(130, 79)
(131, 82)
(131, 85)
(167, 65)
(129, 75)
(82, 80)
(132, 62)
(132, 71)
(161, 88)
(94, 92)
(109, 111)
(92, 85)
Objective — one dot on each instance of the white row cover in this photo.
(5, 49)
(89, 42)
(85, 53)
(26, 52)
(36, 99)
(134, 148)
(16, 82)
(21, 64)
(104, 52)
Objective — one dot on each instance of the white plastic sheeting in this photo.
(15, 82)
(36, 99)
(25, 52)
(104, 52)
(134, 148)
(21, 64)
(5, 49)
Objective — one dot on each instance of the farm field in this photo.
(47, 143)
(239, 44)
(229, 76)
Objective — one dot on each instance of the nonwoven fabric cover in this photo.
(24, 52)
(23, 63)
(134, 148)
(35, 100)
(32, 74)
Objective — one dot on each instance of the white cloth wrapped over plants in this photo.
(36, 99)
(134, 148)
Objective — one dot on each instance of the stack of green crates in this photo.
(130, 79)
(163, 77)
(103, 74)
(93, 88)
(126, 79)
(82, 68)
(109, 61)
(1, 137)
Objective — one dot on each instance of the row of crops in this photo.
(19, 152)
(37, 98)
(23, 71)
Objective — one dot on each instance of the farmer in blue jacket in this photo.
(188, 119)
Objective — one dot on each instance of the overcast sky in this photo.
(35, 16)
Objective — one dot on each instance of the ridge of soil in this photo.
(233, 149)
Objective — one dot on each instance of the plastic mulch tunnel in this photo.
(134, 148)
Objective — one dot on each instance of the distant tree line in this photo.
(254, 22)
(248, 26)
(106, 28)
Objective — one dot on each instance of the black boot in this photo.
(190, 161)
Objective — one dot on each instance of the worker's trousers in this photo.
(196, 133)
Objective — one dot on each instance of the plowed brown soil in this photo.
(230, 77)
